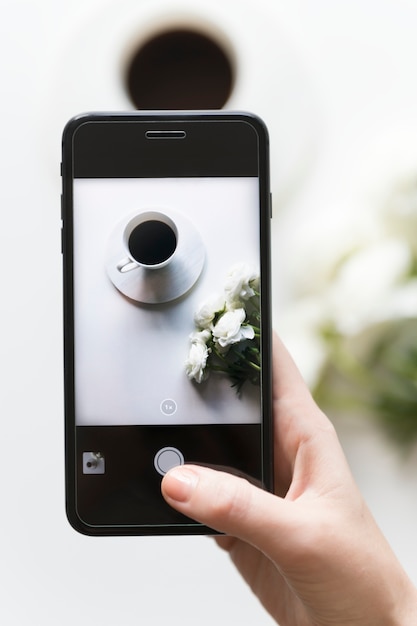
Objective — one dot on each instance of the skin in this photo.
(312, 552)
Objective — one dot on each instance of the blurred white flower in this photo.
(403, 301)
(354, 315)
(229, 328)
(400, 214)
(322, 250)
(362, 290)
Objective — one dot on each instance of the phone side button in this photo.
(167, 458)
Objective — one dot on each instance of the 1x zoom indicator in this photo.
(168, 407)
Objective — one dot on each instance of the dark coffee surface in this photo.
(152, 242)
(180, 69)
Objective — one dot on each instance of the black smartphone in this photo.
(166, 247)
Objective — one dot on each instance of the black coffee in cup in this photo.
(152, 242)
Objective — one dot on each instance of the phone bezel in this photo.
(228, 163)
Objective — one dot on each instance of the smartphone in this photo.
(167, 324)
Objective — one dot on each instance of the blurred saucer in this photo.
(157, 286)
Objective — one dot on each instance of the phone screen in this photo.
(166, 268)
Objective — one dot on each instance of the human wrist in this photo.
(406, 606)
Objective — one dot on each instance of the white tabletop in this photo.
(353, 91)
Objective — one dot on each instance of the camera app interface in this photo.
(166, 336)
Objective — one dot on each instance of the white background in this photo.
(359, 56)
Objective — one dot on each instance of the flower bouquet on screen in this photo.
(226, 339)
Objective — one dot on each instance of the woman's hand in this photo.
(312, 553)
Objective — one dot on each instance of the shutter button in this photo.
(167, 458)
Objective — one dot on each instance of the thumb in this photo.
(228, 504)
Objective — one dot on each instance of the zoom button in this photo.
(168, 407)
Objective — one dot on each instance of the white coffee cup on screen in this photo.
(150, 241)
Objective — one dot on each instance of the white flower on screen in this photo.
(205, 315)
(195, 365)
(230, 329)
(242, 282)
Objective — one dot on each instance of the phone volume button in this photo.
(270, 204)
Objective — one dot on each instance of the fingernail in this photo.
(179, 483)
